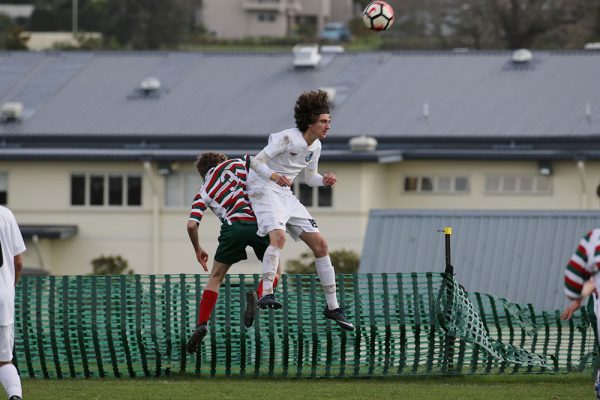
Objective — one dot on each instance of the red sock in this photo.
(259, 290)
(207, 303)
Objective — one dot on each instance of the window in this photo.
(426, 184)
(324, 196)
(461, 184)
(518, 185)
(134, 190)
(99, 190)
(436, 184)
(305, 194)
(320, 196)
(266, 17)
(77, 190)
(115, 193)
(411, 184)
(96, 195)
(3, 188)
(181, 188)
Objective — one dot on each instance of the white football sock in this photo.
(10, 380)
(327, 276)
(269, 268)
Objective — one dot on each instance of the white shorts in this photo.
(7, 342)
(276, 210)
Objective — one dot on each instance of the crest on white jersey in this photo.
(309, 156)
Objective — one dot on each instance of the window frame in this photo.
(106, 189)
(433, 184)
(315, 194)
(519, 180)
(266, 17)
(183, 178)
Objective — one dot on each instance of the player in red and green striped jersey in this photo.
(583, 264)
(224, 192)
(582, 279)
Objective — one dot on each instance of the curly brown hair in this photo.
(308, 108)
(206, 161)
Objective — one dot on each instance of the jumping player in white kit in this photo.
(277, 209)
(12, 246)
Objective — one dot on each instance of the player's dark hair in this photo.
(206, 161)
(308, 108)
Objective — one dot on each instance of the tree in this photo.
(6, 24)
(15, 39)
(135, 24)
(110, 265)
(149, 24)
(344, 261)
(510, 24)
(519, 23)
(492, 24)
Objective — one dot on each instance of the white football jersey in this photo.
(12, 244)
(289, 154)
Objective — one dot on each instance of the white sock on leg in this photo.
(269, 268)
(10, 380)
(327, 276)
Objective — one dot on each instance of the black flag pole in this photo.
(449, 268)
(446, 291)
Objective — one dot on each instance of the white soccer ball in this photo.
(378, 16)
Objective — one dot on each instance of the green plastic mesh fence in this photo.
(406, 324)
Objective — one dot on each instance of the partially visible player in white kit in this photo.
(12, 246)
(582, 279)
(277, 209)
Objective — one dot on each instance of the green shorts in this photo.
(234, 239)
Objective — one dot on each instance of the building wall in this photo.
(155, 240)
(341, 10)
(232, 20)
(567, 187)
(235, 19)
(321, 9)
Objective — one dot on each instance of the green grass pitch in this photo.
(517, 387)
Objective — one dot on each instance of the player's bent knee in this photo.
(219, 270)
(277, 238)
(316, 242)
(320, 248)
(217, 276)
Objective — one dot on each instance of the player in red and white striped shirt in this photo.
(224, 192)
(582, 266)
(582, 279)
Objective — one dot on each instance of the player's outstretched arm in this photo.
(313, 178)
(571, 308)
(329, 179)
(18, 263)
(589, 287)
(201, 254)
(259, 165)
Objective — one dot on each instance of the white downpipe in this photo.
(584, 191)
(36, 245)
(155, 219)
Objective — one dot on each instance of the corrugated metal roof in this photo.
(517, 255)
(382, 94)
(152, 153)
